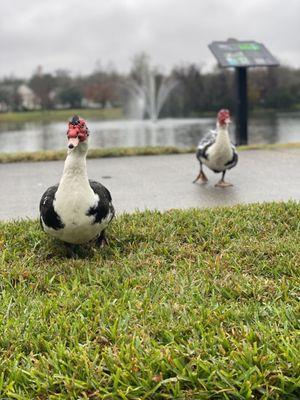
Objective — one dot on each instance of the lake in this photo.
(32, 136)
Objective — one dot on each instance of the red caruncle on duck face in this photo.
(224, 117)
(77, 132)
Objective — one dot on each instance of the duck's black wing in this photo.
(205, 143)
(48, 215)
(104, 208)
(232, 163)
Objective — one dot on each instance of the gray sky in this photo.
(74, 35)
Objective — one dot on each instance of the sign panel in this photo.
(234, 53)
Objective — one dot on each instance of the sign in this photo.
(234, 53)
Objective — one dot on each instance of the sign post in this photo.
(241, 120)
(241, 55)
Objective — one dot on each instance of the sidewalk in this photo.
(158, 182)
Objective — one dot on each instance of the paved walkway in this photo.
(158, 182)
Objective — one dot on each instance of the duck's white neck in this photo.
(222, 138)
(75, 169)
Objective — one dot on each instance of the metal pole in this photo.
(241, 130)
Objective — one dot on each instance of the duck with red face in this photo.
(77, 132)
(76, 210)
(216, 151)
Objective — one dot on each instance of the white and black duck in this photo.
(76, 210)
(216, 151)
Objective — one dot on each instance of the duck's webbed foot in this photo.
(202, 178)
(222, 182)
(102, 240)
(71, 250)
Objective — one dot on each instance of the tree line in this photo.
(196, 91)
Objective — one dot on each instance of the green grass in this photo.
(273, 146)
(93, 153)
(98, 114)
(194, 304)
(60, 115)
(125, 151)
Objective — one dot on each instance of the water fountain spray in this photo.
(150, 97)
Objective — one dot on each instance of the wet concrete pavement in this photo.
(158, 182)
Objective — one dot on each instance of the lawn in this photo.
(60, 115)
(193, 304)
(126, 151)
(93, 153)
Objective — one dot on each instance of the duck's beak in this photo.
(73, 142)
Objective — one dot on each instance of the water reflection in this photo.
(264, 129)
(270, 128)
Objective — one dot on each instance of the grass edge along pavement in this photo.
(185, 304)
(125, 152)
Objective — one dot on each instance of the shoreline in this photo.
(55, 155)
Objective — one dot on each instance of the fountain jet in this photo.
(148, 96)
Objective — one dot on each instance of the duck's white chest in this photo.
(73, 202)
(72, 205)
(218, 155)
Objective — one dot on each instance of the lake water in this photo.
(29, 136)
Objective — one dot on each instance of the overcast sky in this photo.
(75, 35)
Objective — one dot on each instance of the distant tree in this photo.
(202, 92)
(140, 67)
(279, 98)
(5, 95)
(102, 86)
(220, 90)
(194, 86)
(42, 85)
(277, 88)
(63, 79)
(9, 96)
(71, 96)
